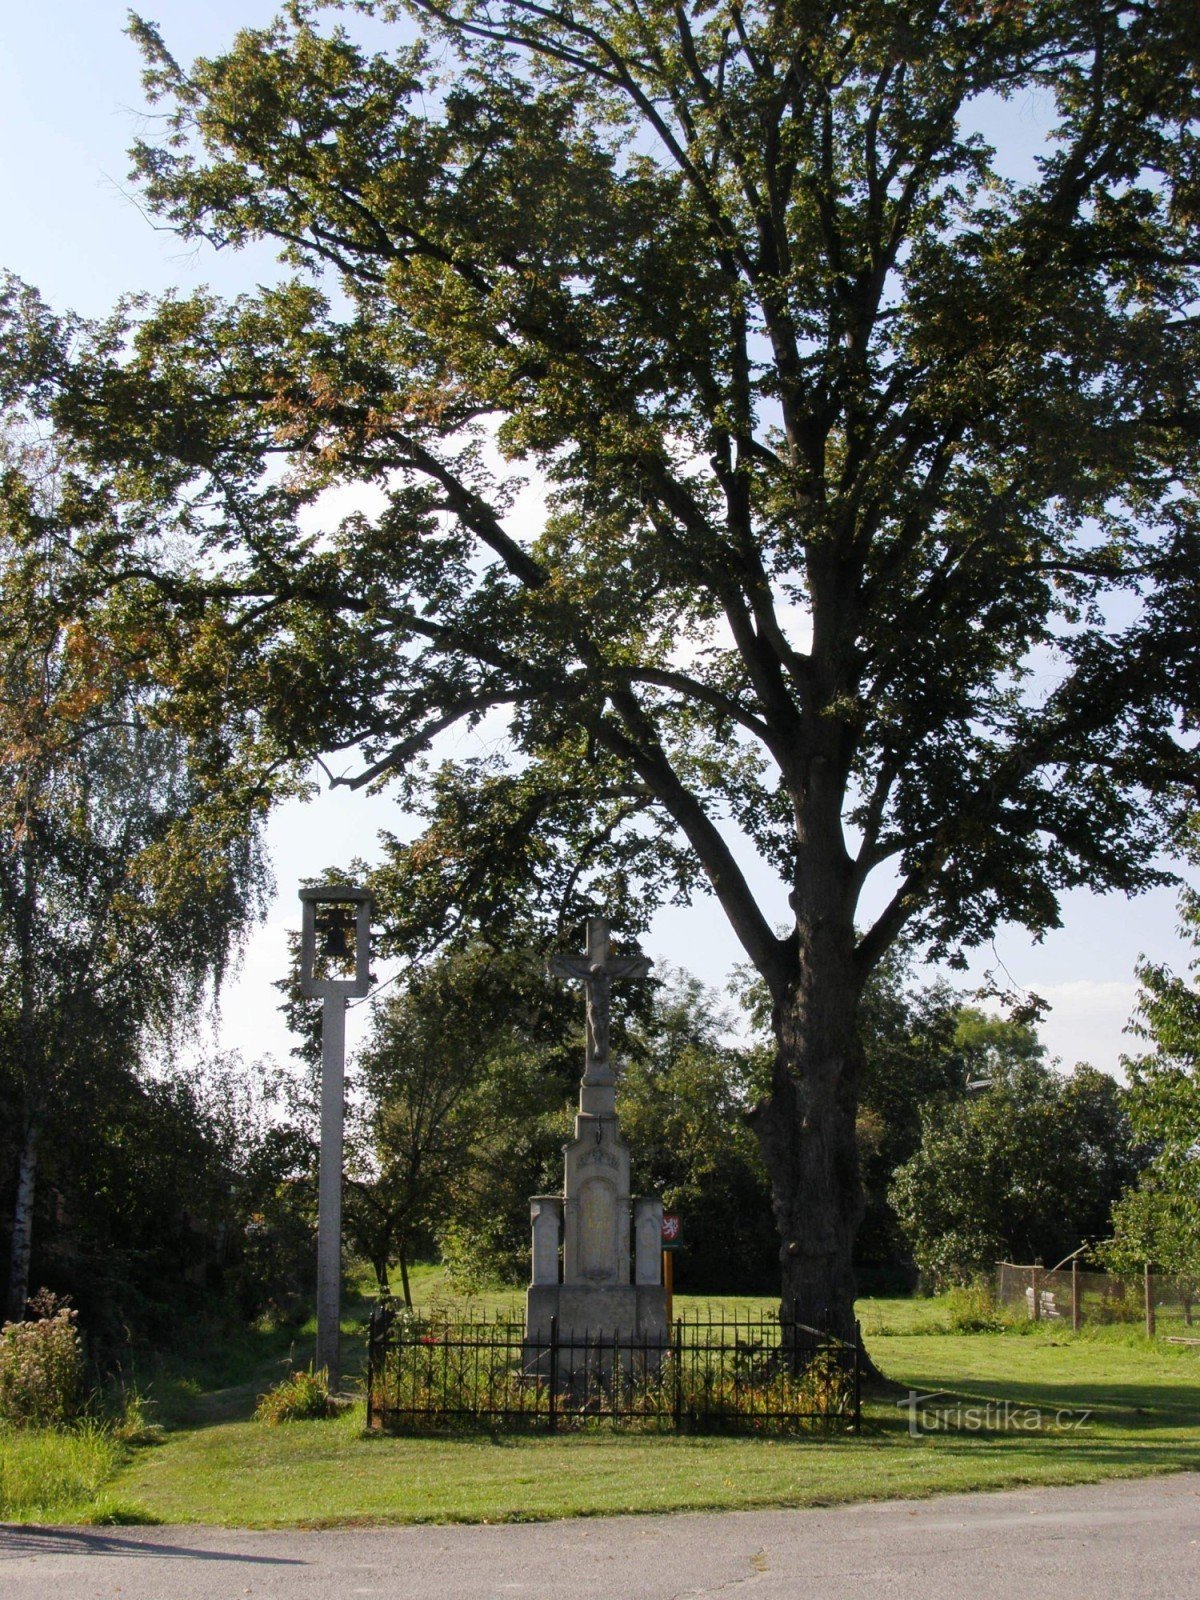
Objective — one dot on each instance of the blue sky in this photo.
(70, 104)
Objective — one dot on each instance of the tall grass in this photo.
(974, 1308)
(303, 1396)
(49, 1473)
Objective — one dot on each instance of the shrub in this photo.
(130, 1413)
(1120, 1308)
(41, 1366)
(974, 1308)
(301, 1397)
(470, 1259)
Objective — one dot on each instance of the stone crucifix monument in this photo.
(593, 1218)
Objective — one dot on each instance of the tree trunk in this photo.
(402, 1257)
(22, 1233)
(806, 1130)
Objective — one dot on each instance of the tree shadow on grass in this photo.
(1142, 1403)
(1148, 1425)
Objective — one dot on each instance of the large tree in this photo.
(869, 528)
(123, 891)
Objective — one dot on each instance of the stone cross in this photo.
(596, 969)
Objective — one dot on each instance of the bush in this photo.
(130, 1414)
(474, 1260)
(301, 1397)
(41, 1366)
(1118, 1309)
(974, 1308)
(275, 1255)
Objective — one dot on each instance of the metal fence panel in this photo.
(749, 1373)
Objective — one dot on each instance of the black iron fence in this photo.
(756, 1373)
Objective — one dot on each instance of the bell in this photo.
(338, 932)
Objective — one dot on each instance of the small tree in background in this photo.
(1158, 1221)
(465, 1078)
(1027, 1169)
(912, 1048)
(684, 1100)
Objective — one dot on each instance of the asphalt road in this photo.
(1115, 1541)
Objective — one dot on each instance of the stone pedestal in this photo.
(596, 1299)
(635, 1313)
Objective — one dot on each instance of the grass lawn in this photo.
(217, 1465)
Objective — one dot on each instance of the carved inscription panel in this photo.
(598, 1230)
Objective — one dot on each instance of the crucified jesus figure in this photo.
(596, 969)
